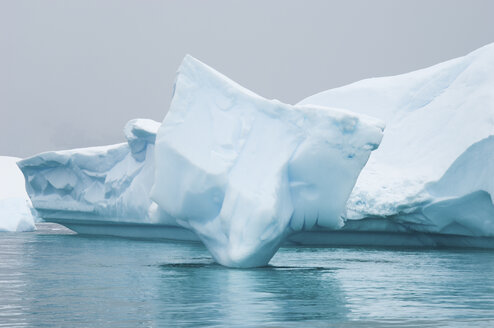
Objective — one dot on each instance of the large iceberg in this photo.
(434, 170)
(15, 209)
(243, 172)
(236, 170)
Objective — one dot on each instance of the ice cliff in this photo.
(101, 183)
(15, 211)
(243, 171)
(434, 170)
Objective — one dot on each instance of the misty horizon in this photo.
(72, 74)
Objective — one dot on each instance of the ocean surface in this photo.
(54, 278)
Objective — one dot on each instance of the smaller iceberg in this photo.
(107, 183)
(102, 190)
(15, 209)
(243, 172)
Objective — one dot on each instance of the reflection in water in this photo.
(439, 284)
(12, 283)
(69, 280)
(252, 296)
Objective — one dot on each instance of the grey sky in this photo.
(72, 73)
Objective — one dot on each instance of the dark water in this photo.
(51, 279)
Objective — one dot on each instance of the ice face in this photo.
(15, 212)
(109, 183)
(243, 171)
(436, 154)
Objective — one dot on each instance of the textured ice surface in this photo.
(15, 212)
(243, 171)
(109, 183)
(434, 170)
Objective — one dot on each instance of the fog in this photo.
(72, 73)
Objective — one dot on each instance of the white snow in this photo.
(434, 169)
(15, 213)
(243, 171)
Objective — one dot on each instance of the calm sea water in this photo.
(50, 278)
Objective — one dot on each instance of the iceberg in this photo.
(239, 172)
(15, 209)
(243, 172)
(433, 172)
(102, 190)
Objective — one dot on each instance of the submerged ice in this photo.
(243, 171)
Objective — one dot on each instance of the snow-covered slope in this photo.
(434, 170)
(15, 212)
(243, 171)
